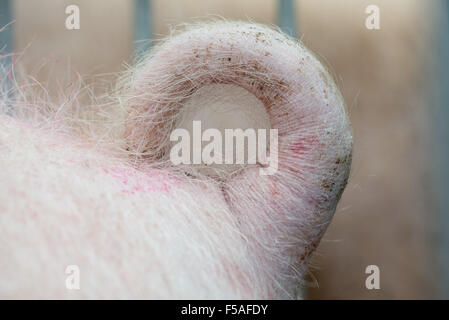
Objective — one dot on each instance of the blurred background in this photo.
(393, 213)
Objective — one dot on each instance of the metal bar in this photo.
(143, 25)
(445, 146)
(442, 156)
(287, 14)
(6, 49)
(5, 27)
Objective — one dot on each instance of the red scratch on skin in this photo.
(136, 182)
(298, 147)
(304, 144)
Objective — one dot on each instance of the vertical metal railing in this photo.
(442, 155)
(287, 16)
(143, 22)
(6, 49)
(5, 27)
(143, 25)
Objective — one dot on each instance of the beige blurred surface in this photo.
(101, 45)
(383, 216)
